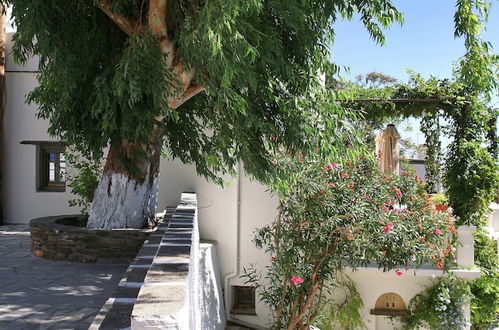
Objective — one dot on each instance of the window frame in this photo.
(43, 148)
(238, 306)
(43, 167)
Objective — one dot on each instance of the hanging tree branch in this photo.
(126, 25)
(157, 24)
(189, 93)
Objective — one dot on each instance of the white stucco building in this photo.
(23, 199)
(228, 215)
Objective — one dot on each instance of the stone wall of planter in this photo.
(53, 240)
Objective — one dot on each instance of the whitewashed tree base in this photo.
(122, 202)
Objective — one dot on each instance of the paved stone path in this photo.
(41, 294)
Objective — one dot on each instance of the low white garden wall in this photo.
(182, 288)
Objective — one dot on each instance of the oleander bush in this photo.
(339, 215)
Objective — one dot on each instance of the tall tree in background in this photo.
(212, 82)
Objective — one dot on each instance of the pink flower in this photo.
(388, 228)
(398, 192)
(330, 166)
(402, 172)
(395, 211)
(331, 185)
(273, 258)
(438, 231)
(386, 209)
(322, 191)
(398, 273)
(344, 175)
(296, 280)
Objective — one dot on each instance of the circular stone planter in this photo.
(55, 238)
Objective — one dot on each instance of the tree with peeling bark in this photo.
(209, 82)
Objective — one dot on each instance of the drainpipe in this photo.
(235, 270)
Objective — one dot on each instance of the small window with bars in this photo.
(244, 300)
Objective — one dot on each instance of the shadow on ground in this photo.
(44, 294)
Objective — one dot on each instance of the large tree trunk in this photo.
(123, 199)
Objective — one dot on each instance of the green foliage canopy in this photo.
(257, 62)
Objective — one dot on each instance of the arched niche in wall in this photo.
(390, 304)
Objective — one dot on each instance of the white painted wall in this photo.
(217, 206)
(258, 208)
(372, 283)
(421, 172)
(218, 219)
(211, 300)
(21, 201)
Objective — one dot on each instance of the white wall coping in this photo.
(425, 270)
(165, 300)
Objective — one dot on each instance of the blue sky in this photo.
(424, 43)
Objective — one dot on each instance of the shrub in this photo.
(83, 178)
(485, 290)
(439, 199)
(345, 314)
(342, 215)
(440, 306)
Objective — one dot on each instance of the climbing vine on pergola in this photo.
(470, 164)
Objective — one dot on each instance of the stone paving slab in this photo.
(41, 294)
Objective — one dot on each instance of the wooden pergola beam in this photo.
(402, 100)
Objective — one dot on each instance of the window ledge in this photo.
(243, 311)
(53, 190)
(389, 312)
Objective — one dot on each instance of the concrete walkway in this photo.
(41, 294)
